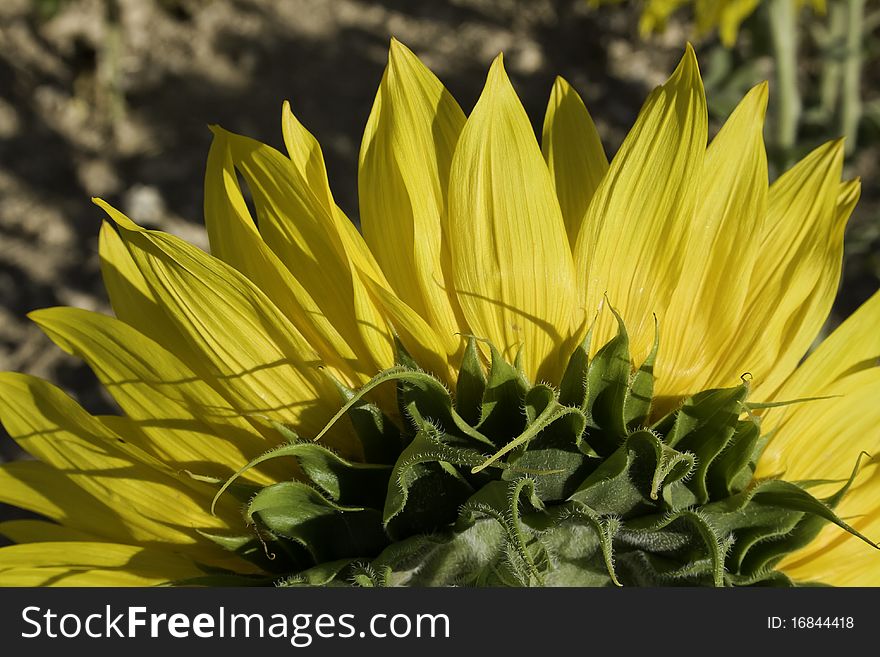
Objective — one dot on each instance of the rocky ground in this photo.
(111, 98)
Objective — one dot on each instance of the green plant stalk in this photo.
(851, 98)
(783, 29)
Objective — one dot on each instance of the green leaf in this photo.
(551, 414)
(526, 555)
(321, 575)
(553, 459)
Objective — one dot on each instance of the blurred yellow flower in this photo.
(726, 16)
(468, 228)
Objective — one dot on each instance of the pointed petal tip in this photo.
(397, 50)
(688, 67)
(561, 85)
(497, 73)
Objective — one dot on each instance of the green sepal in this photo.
(637, 407)
(501, 409)
(471, 384)
(380, 439)
(296, 511)
(683, 545)
(703, 426)
(732, 470)
(631, 480)
(573, 386)
(424, 491)
(507, 483)
(608, 379)
(323, 574)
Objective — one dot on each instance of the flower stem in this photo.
(833, 52)
(783, 30)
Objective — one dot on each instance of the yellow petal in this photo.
(574, 154)
(316, 243)
(796, 273)
(306, 155)
(149, 500)
(91, 564)
(420, 340)
(632, 245)
(821, 440)
(131, 298)
(852, 347)
(513, 270)
(845, 364)
(185, 421)
(258, 358)
(235, 240)
(402, 180)
(704, 312)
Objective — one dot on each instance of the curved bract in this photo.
(535, 366)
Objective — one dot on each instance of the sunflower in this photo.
(532, 366)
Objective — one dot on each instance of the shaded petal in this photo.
(40, 531)
(186, 422)
(306, 155)
(574, 154)
(150, 501)
(91, 564)
(38, 488)
(132, 299)
(632, 245)
(512, 264)
(402, 180)
(420, 340)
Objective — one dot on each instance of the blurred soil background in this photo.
(112, 98)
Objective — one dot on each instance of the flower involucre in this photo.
(532, 367)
